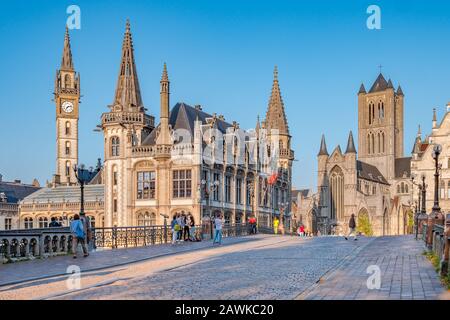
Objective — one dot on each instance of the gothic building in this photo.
(374, 185)
(423, 163)
(191, 161)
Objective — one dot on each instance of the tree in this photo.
(364, 225)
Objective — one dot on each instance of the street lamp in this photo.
(282, 206)
(83, 176)
(212, 187)
(436, 211)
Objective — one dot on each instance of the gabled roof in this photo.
(402, 166)
(380, 84)
(183, 116)
(16, 191)
(369, 172)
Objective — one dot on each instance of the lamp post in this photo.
(83, 176)
(417, 208)
(212, 187)
(436, 211)
(282, 206)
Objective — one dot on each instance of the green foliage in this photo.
(436, 262)
(410, 218)
(364, 225)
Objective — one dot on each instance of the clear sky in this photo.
(220, 54)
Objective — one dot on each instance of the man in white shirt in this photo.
(218, 223)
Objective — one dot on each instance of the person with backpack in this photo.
(352, 227)
(78, 236)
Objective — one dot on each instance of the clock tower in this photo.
(67, 98)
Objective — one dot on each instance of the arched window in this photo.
(442, 187)
(114, 175)
(398, 188)
(379, 142)
(43, 222)
(368, 144)
(28, 223)
(382, 110)
(382, 142)
(146, 219)
(406, 188)
(371, 106)
(403, 187)
(67, 81)
(379, 110)
(372, 142)
(337, 193)
(67, 128)
(67, 148)
(448, 190)
(115, 145)
(67, 168)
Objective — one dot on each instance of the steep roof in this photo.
(323, 147)
(67, 63)
(369, 172)
(402, 166)
(94, 192)
(15, 191)
(380, 84)
(128, 92)
(183, 116)
(276, 116)
(350, 144)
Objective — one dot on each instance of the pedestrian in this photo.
(192, 228)
(187, 235)
(276, 222)
(253, 224)
(54, 223)
(302, 231)
(78, 236)
(352, 227)
(179, 228)
(218, 223)
(87, 229)
(173, 226)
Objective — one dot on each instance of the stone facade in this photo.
(192, 161)
(10, 195)
(422, 162)
(366, 186)
(189, 162)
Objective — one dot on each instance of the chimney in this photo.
(17, 181)
(448, 106)
(221, 117)
(198, 107)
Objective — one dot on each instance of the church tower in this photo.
(276, 120)
(125, 126)
(67, 99)
(380, 125)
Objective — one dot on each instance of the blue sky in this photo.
(220, 54)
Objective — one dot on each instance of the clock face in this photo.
(67, 106)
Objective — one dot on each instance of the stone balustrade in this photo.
(23, 244)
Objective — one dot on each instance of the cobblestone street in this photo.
(261, 267)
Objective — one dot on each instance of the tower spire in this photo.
(434, 118)
(164, 134)
(128, 93)
(350, 144)
(67, 63)
(323, 147)
(276, 116)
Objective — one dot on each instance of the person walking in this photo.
(352, 227)
(173, 226)
(276, 222)
(78, 236)
(179, 228)
(218, 223)
(192, 229)
(87, 230)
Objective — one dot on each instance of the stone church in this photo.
(373, 183)
(190, 162)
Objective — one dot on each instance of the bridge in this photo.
(261, 266)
